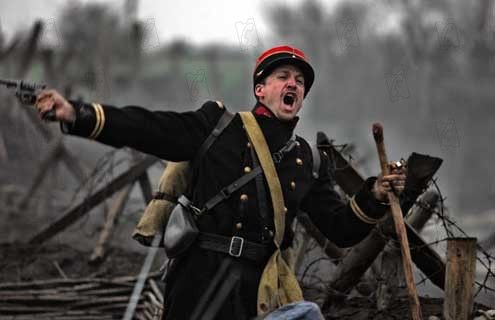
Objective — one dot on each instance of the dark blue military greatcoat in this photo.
(177, 137)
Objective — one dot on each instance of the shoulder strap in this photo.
(227, 191)
(222, 123)
(264, 156)
(277, 279)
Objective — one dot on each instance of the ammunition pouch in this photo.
(181, 230)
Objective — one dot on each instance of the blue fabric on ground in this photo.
(302, 310)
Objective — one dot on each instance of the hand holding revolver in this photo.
(50, 99)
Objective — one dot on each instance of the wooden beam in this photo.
(73, 163)
(350, 181)
(360, 257)
(400, 228)
(14, 43)
(115, 211)
(29, 50)
(459, 278)
(391, 274)
(76, 212)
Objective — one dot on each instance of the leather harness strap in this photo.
(234, 246)
(222, 123)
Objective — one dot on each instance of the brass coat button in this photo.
(299, 162)
(248, 144)
(244, 197)
(293, 185)
(285, 209)
(238, 225)
(247, 169)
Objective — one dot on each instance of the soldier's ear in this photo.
(258, 90)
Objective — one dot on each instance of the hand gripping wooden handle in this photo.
(399, 226)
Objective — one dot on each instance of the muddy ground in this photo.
(20, 263)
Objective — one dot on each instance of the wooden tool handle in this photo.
(399, 227)
(380, 146)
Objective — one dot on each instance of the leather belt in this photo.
(234, 246)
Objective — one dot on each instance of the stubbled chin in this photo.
(288, 109)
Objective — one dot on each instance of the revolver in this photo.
(26, 93)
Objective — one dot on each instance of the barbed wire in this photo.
(103, 171)
(449, 226)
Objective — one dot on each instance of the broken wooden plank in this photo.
(75, 213)
(115, 210)
(361, 256)
(391, 274)
(400, 228)
(156, 290)
(425, 258)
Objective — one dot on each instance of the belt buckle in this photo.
(236, 253)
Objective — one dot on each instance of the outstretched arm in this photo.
(169, 135)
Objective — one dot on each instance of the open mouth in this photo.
(289, 98)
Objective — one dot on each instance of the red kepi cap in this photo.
(281, 55)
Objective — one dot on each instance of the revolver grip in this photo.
(49, 115)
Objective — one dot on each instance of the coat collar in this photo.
(262, 111)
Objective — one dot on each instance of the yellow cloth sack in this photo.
(174, 182)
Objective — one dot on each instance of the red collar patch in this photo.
(262, 110)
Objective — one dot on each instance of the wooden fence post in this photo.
(459, 278)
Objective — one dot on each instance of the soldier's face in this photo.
(283, 91)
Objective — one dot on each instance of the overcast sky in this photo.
(194, 20)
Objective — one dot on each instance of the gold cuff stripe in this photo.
(100, 120)
(360, 214)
